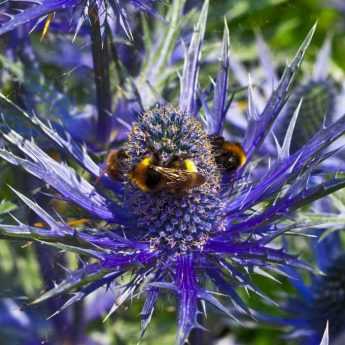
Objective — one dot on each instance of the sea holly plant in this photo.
(15, 14)
(322, 97)
(330, 218)
(101, 19)
(6, 207)
(107, 105)
(316, 305)
(177, 209)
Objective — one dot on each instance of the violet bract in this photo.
(319, 303)
(14, 14)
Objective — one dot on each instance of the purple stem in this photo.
(100, 55)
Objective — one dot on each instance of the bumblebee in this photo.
(229, 156)
(180, 175)
(115, 164)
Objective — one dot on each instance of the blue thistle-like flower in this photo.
(178, 222)
(320, 303)
(157, 233)
(329, 298)
(14, 14)
(321, 98)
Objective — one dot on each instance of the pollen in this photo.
(178, 218)
(190, 166)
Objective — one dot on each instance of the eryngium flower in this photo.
(328, 293)
(176, 217)
(14, 14)
(322, 100)
(320, 302)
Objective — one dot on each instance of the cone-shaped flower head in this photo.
(329, 298)
(176, 217)
(319, 303)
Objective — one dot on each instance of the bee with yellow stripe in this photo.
(229, 155)
(149, 175)
(115, 164)
(180, 175)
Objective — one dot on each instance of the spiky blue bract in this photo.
(319, 300)
(194, 243)
(319, 93)
(14, 14)
(325, 337)
(317, 108)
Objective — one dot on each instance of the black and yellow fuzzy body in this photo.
(179, 176)
(229, 155)
(115, 164)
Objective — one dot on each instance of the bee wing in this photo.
(172, 175)
(178, 178)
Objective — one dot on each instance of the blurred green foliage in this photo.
(283, 23)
